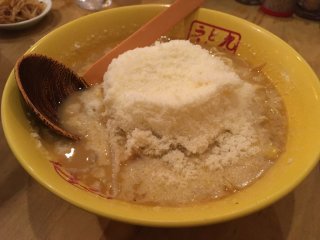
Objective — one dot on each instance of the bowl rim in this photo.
(136, 219)
(31, 20)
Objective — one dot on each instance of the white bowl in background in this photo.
(29, 22)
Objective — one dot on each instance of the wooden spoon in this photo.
(44, 83)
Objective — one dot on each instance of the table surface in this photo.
(29, 211)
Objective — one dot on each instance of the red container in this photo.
(278, 8)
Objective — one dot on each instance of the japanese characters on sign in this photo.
(211, 35)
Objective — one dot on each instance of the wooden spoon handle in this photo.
(145, 36)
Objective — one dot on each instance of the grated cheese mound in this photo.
(173, 95)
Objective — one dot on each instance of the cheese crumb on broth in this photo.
(173, 124)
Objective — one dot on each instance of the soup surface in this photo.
(198, 150)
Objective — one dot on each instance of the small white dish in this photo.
(29, 22)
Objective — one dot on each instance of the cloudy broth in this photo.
(157, 181)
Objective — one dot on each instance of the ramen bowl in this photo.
(290, 74)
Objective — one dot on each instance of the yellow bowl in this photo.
(291, 75)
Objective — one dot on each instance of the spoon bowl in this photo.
(44, 83)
